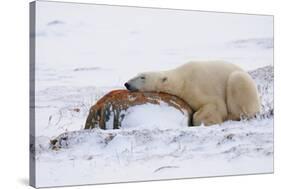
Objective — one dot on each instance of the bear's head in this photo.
(147, 82)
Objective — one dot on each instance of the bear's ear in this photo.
(164, 79)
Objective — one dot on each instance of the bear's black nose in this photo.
(127, 86)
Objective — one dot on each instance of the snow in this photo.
(148, 154)
(83, 52)
(151, 116)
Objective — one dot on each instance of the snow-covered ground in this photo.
(85, 51)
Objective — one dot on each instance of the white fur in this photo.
(215, 90)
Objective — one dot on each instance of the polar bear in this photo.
(216, 90)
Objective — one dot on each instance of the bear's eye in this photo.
(142, 77)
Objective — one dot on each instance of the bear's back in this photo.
(210, 77)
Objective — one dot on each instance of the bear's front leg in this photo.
(209, 114)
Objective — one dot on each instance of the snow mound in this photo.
(151, 116)
(264, 80)
(230, 140)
